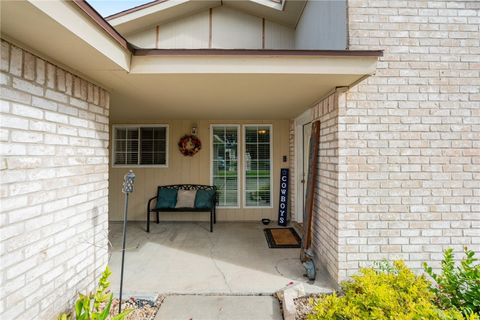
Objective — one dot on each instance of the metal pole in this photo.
(123, 251)
(128, 180)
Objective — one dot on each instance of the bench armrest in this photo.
(149, 202)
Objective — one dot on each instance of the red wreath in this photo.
(189, 145)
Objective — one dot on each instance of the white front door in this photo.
(303, 129)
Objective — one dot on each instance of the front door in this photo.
(303, 129)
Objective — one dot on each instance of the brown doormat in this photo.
(282, 238)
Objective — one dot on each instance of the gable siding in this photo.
(323, 25)
(191, 32)
(278, 36)
(144, 39)
(229, 29)
(232, 29)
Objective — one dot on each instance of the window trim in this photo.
(138, 126)
(239, 172)
(244, 180)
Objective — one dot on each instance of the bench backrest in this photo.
(189, 187)
(193, 187)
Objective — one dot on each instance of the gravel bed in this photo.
(304, 305)
(142, 309)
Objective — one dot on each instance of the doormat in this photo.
(278, 238)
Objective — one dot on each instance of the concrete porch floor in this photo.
(184, 258)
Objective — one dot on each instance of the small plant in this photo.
(393, 292)
(384, 266)
(96, 306)
(457, 286)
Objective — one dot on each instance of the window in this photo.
(257, 165)
(140, 145)
(224, 139)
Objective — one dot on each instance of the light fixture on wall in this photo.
(194, 130)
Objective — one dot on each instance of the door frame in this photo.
(303, 119)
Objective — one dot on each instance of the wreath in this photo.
(189, 145)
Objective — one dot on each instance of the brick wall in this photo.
(328, 189)
(412, 134)
(54, 185)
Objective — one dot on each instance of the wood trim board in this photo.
(311, 188)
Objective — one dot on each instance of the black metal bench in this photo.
(211, 209)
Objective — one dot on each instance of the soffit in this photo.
(58, 30)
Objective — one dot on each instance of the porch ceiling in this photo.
(232, 84)
(144, 97)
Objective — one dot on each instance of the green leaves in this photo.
(387, 292)
(457, 286)
(392, 291)
(64, 316)
(82, 307)
(122, 315)
(96, 306)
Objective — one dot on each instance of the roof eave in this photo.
(257, 52)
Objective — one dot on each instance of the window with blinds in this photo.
(257, 165)
(224, 139)
(140, 145)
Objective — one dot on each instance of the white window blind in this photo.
(142, 145)
(224, 170)
(258, 165)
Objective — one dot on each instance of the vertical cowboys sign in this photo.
(282, 208)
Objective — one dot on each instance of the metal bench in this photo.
(211, 209)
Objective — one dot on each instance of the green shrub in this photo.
(393, 292)
(457, 286)
(96, 306)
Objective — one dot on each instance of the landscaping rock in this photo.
(304, 305)
(287, 296)
(143, 309)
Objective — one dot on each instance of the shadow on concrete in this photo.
(184, 258)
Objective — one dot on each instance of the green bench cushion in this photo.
(204, 199)
(166, 198)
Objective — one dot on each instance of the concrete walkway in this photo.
(228, 274)
(219, 308)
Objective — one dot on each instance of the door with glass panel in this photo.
(225, 157)
(257, 164)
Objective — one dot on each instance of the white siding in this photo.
(278, 36)
(144, 39)
(322, 26)
(233, 30)
(189, 33)
(230, 29)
